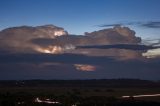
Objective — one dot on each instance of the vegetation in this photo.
(78, 92)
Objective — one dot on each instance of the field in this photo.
(79, 93)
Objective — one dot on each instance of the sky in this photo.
(79, 16)
(122, 39)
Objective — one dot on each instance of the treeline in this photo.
(81, 83)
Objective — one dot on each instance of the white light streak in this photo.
(46, 101)
(138, 96)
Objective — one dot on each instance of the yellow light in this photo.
(50, 49)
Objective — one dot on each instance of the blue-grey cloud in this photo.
(58, 58)
(121, 24)
(151, 42)
(148, 24)
(111, 25)
(120, 46)
(151, 24)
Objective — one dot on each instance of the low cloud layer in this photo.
(73, 66)
(120, 46)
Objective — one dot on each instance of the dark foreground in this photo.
(79, 93)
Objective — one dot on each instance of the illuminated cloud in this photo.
(119, 42)
(17, 39)
(50, 49)
(113, 36)
(85, 67)
(51, 40)
(116, 35)
(152, 53)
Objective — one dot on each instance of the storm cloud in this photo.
(16, 39)
(39, 52)
(42, 39)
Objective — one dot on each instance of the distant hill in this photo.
(81, 83)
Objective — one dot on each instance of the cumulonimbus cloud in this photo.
(43, 39)
(32, 51)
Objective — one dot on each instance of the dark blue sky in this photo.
(78, 16)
